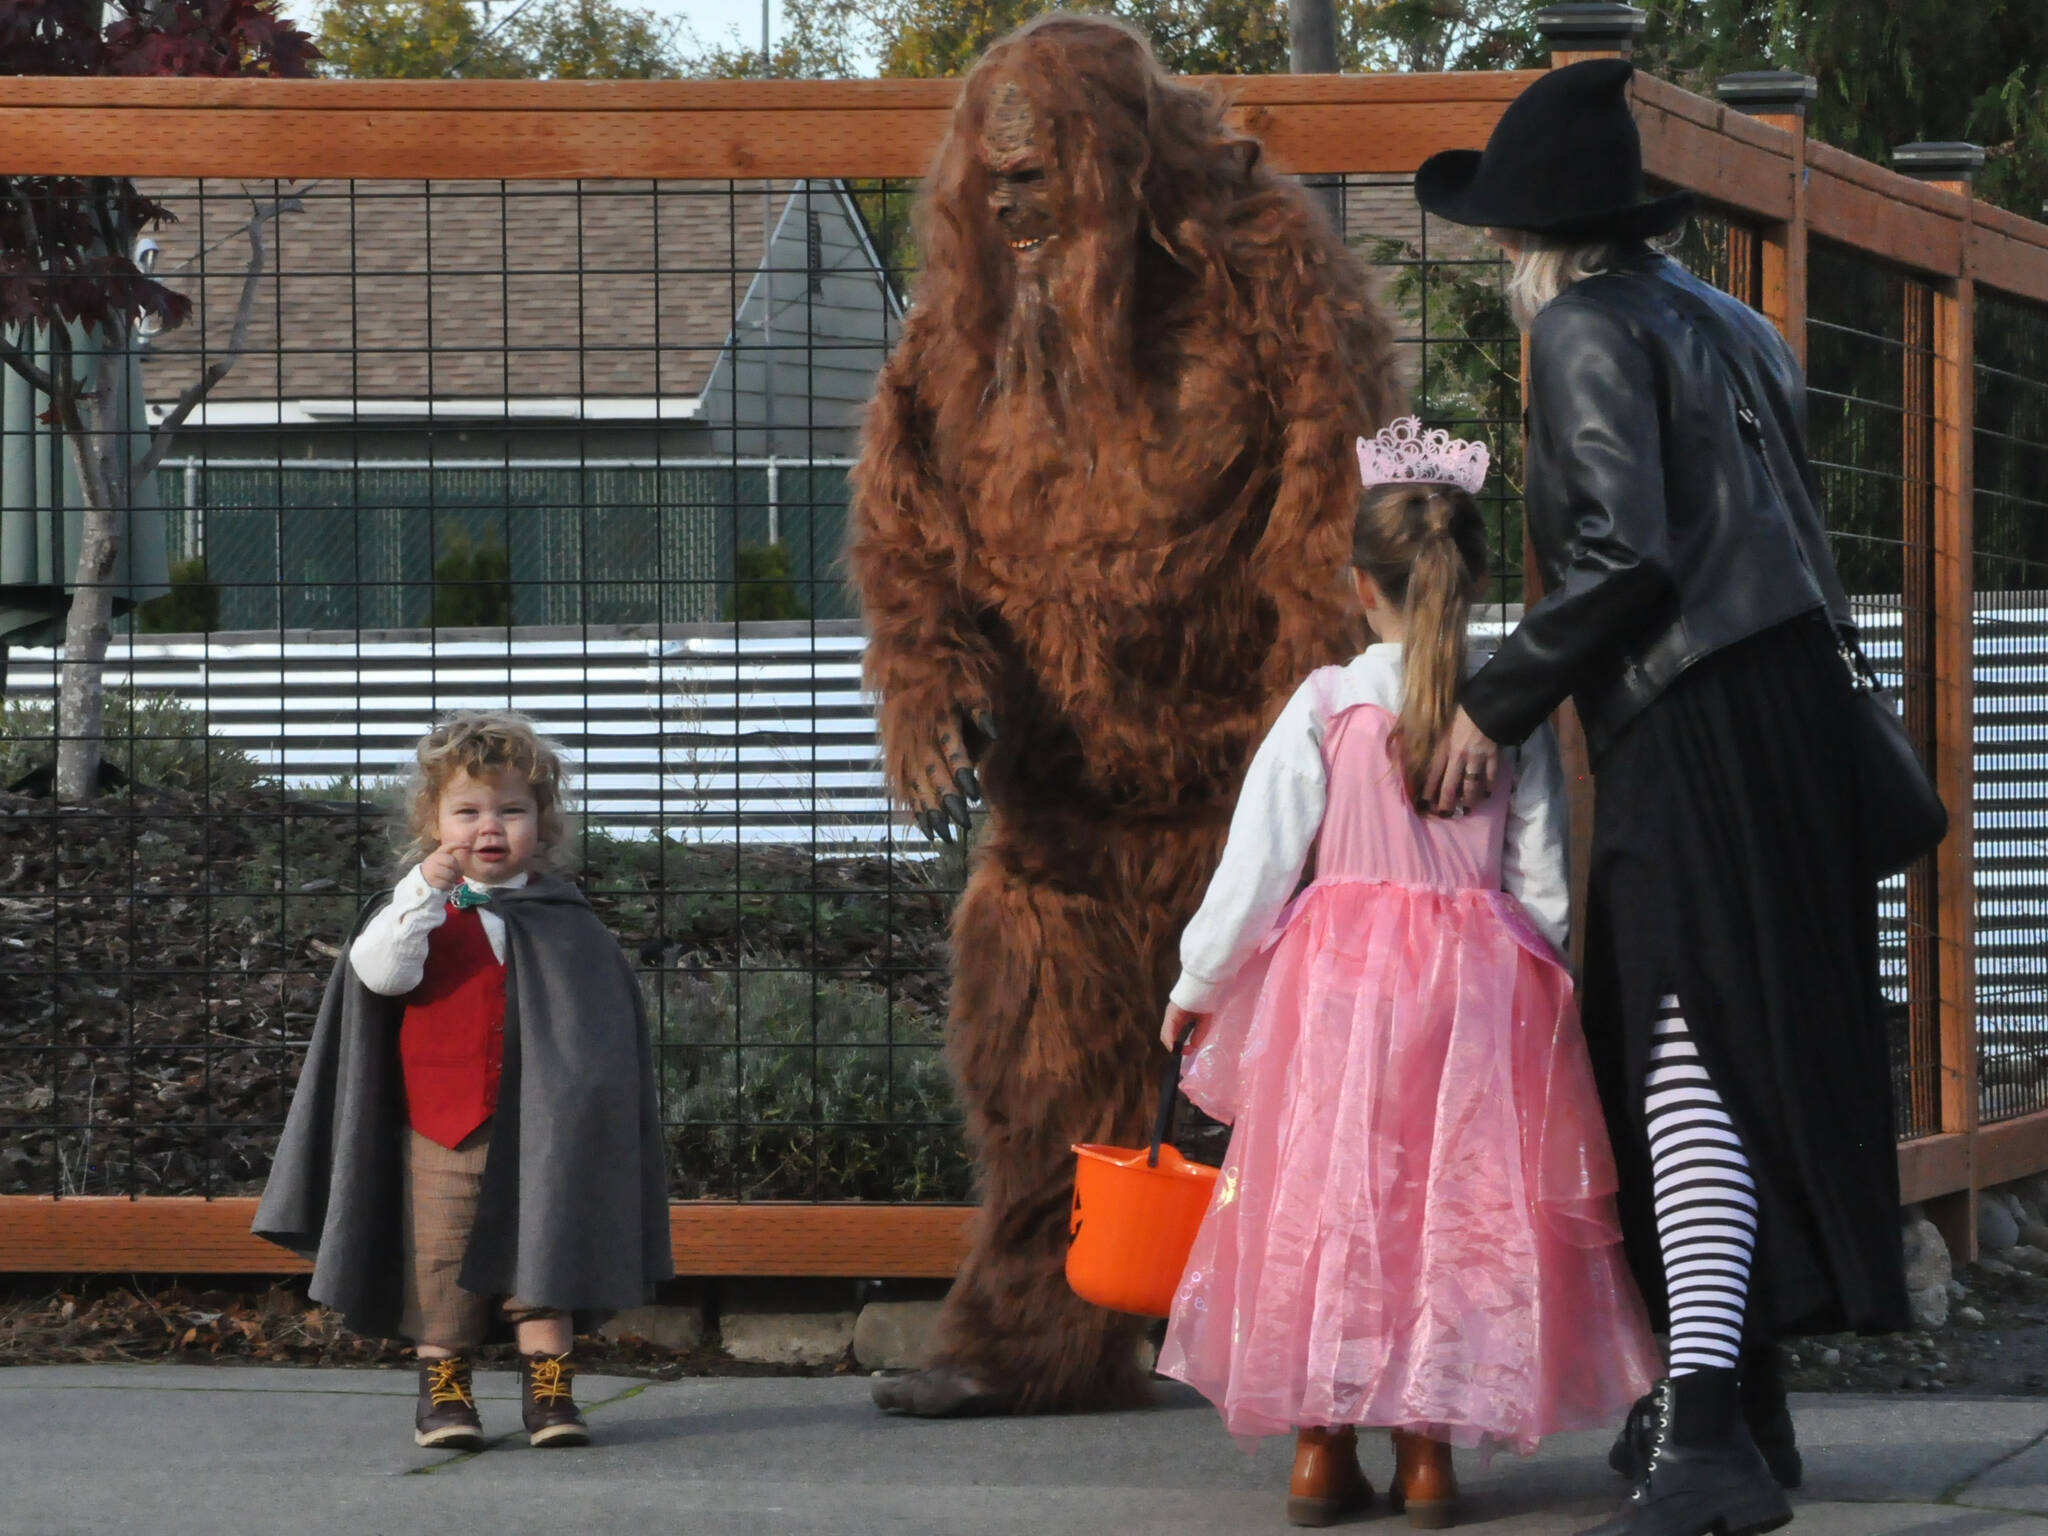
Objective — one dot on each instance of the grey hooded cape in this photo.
(574, 1208)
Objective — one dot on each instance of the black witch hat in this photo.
(1564, 161)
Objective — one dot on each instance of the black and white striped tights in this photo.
(1706, 1201)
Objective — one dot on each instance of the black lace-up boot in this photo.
(1704, 1476)
(1764, 1410)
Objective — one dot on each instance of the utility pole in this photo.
(1312, 37)
(1312, 50)
(768, 307)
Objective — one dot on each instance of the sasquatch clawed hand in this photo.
(934, 767)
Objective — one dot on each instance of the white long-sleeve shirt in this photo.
(1280, 811)
(390, 954)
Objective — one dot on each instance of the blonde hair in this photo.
(1424, 546)
(485, 743)
(1542, 269)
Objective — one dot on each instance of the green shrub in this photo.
(191, 607)
(155, 739)
(472, 584)
(763, 589)
(792, 1085)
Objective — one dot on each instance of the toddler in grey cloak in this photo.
(476, 1127)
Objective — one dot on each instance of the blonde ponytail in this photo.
(1425, 547)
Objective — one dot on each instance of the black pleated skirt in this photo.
(1726, 869)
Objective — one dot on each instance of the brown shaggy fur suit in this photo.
(1102, 521)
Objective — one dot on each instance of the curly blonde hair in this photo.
(485, 743)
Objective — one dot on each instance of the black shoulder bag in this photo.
(1898, 807)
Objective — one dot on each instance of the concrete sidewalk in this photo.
(170, 1449)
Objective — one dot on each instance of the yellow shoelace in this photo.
(551, 1377)
(448, 1382)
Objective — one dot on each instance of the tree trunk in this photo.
(94, 435)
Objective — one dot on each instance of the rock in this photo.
(1996, 1228)
(2034, 1234)
(1957, 1290)
(1927, 1260)
(667, 1327)
(1831, 1357)
(1991, 1266)
(2033, 1190)
(787, 1338)
(894, 1335)
(1930, 1307)
(2033, 1260)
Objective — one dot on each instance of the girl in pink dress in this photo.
(1414, 1226)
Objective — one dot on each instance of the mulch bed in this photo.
(163, 956)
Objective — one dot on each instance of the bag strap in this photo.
(1169, 1090)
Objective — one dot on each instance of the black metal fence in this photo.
(553, 447)
(2010, 816)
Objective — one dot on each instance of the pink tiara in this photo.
(1403, 451)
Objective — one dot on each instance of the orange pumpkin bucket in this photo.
(1136, 1212)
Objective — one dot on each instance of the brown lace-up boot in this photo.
(1424, 1483)
(1328, 1482)
(550, 1412)
(446, 1418)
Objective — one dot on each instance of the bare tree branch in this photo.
(217, 370)
(205, 251)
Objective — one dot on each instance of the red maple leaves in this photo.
(67, 242)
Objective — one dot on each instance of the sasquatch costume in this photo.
(1102, 518)
(573, 1214)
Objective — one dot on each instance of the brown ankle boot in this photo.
(1328, 1482)
(446, 1419)
(1424, 1483)
(550, 1413)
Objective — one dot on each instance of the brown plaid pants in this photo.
(440, 1188)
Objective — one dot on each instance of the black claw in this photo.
(942, 828)
(970, 784)
(924, 825)
(985, 723)
(956, 807)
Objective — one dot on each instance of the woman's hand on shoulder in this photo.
(1461, 777)
(1178, 1021)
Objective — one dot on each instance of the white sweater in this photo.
(390, 954)
(1280, 811)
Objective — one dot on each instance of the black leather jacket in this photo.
(1667, 525)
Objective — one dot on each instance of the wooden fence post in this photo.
(1952, 167)
(1589, 31)
(1779, 97)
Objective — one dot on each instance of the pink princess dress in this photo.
(1414, 1227)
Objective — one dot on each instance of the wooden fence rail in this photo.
(1781, 191)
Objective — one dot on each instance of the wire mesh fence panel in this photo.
(579, 449)
(1459, 352)
(1870, 436)
(533, 445)
(2010, 813)
(582, 449)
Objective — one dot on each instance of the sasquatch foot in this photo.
(943, 1392)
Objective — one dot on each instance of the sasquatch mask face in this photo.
(1019, 194)
(1021, 210)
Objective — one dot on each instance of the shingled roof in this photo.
(464, 290)
(474, 291)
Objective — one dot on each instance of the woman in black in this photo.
(1693, 612)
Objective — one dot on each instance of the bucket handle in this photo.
(1169, 1089)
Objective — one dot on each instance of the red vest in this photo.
(452, 1041)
